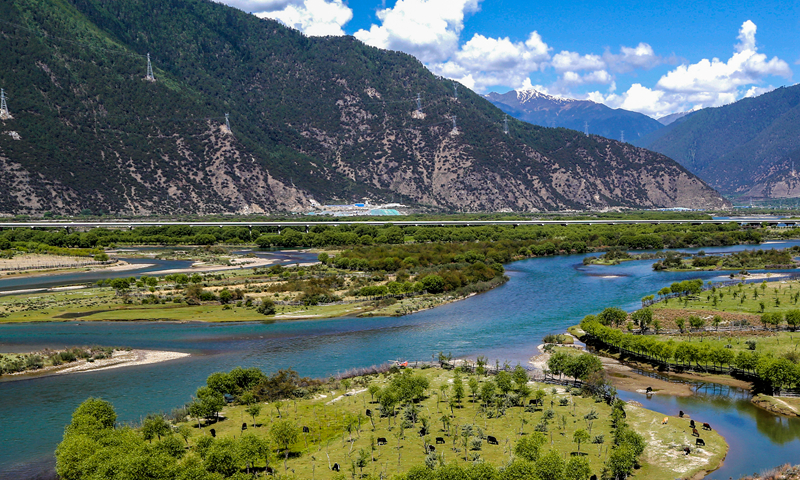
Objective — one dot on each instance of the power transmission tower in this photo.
(228, 123)
(149, 77)
(419, 103)
(4, 113)
(455, 90)
(622, 136)
(586, 128)
(505, 124)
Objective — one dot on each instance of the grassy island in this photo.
(426, 423)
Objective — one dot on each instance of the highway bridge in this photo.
(305, 225)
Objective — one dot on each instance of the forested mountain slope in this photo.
(311, 118)
(745, 148)
(548, 111)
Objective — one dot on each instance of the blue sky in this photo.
(653, 57)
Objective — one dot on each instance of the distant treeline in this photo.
(549, 238)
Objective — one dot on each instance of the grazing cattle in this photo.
(423, 432)
(706, 426)
(491, 440)
(306, 430)
(244, 426)
(691, 423)
(431, 448)
(381, 441)
(664, 422)
(680, 413)
(439, 440)
(695, 432)
(335, 467)
(649, 390)
(369, 412)
(593, 477)
(700, 442)
(213, 432)
(687, 450)
(269, 470)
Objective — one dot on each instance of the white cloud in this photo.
(428, 29)
(746, 66)
(483, 62)
(707, 83)
(641, 56)
(571, 62)
(312, 17)
(756, 91)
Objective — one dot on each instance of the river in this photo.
(544, 295)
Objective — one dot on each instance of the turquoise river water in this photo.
(544, 295)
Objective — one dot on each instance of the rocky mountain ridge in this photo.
(750, 148)
(539, 108)
(328, 119)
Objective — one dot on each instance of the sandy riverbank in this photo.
(119, 359)
(236, 263)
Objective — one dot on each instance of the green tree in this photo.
(577, 468)
(529, 447)
(550, 466)
(184, 431)
(98, 409)
(612, 316)
(458, 388)
(474, 387)
(580, 436)
(253, 410)
(284, 433)
(252, 448)
(433, 284)
(642, 318)
(222, 457)
(155, 425)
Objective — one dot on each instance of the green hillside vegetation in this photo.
(324, 117)
(306, 426)
(733, 146)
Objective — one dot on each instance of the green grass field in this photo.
(776, 296)
(329, 442)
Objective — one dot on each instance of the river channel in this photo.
(544, 295)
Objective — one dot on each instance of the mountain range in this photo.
(750, 148)
(311, 119)
(549, 111)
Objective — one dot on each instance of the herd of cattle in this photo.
(699, 442)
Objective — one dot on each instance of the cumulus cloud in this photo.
(565, 61)
(756, 91)
(485, 61)
(746, 66)
(312, 17)
(707, 83)
(428, 29)
(628, 59)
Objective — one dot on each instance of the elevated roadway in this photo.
(122, 224)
